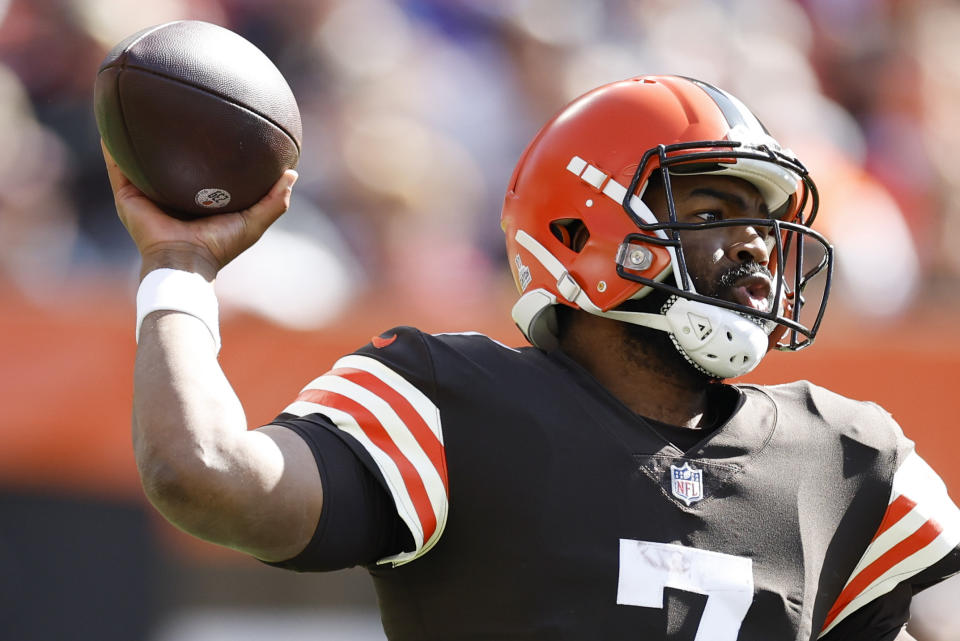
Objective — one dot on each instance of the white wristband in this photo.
(175, 290)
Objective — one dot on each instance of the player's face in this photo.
(730, 263)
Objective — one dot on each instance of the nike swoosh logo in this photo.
(379, 342)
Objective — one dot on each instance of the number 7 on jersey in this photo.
(727, 581)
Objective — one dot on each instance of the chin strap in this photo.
(717, 341)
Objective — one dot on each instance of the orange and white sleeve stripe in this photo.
(920, 527)
(400, 428)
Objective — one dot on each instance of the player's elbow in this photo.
(182, 480)
(171, 483)
(206, 495)
(175, 474)
(191, 496)
(240, 492)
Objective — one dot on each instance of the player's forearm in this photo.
(187, 420)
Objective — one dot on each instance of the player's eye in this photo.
(709, 216)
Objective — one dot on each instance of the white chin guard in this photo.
(720, 342)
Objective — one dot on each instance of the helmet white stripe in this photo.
(541, 253)
(612, 189)
(581, 299)
(616, 192)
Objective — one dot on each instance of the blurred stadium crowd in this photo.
(415, 112)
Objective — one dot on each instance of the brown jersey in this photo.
(537, 506)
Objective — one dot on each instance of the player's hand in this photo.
(203, 245)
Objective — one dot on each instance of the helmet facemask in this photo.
(719, 335)
(592, 164)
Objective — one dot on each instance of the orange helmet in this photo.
(587, 170)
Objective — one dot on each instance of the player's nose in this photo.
(747, 244)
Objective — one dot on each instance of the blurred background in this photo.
(415, 112)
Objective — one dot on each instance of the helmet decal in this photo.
(523, 273)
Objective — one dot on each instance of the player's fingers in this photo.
(117, 179)
(123, 189)
(273, 205)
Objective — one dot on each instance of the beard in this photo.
(723, 286)
(645, 344)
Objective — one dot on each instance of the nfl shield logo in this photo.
(686, 483)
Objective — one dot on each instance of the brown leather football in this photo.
(197, 117)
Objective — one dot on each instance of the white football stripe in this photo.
(395, 483)
(302, 408)
(391, 473)
(913, 564)
(894, 535)
(423, 405)
(398, 432)
(400, 435)
(916, 480)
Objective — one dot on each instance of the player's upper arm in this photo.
(295, 502)
(258, 492)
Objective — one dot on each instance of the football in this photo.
(197, 117)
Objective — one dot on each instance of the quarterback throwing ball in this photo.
(603, 481)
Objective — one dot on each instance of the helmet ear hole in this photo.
(571, 232)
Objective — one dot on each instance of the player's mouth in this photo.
(753, 291)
